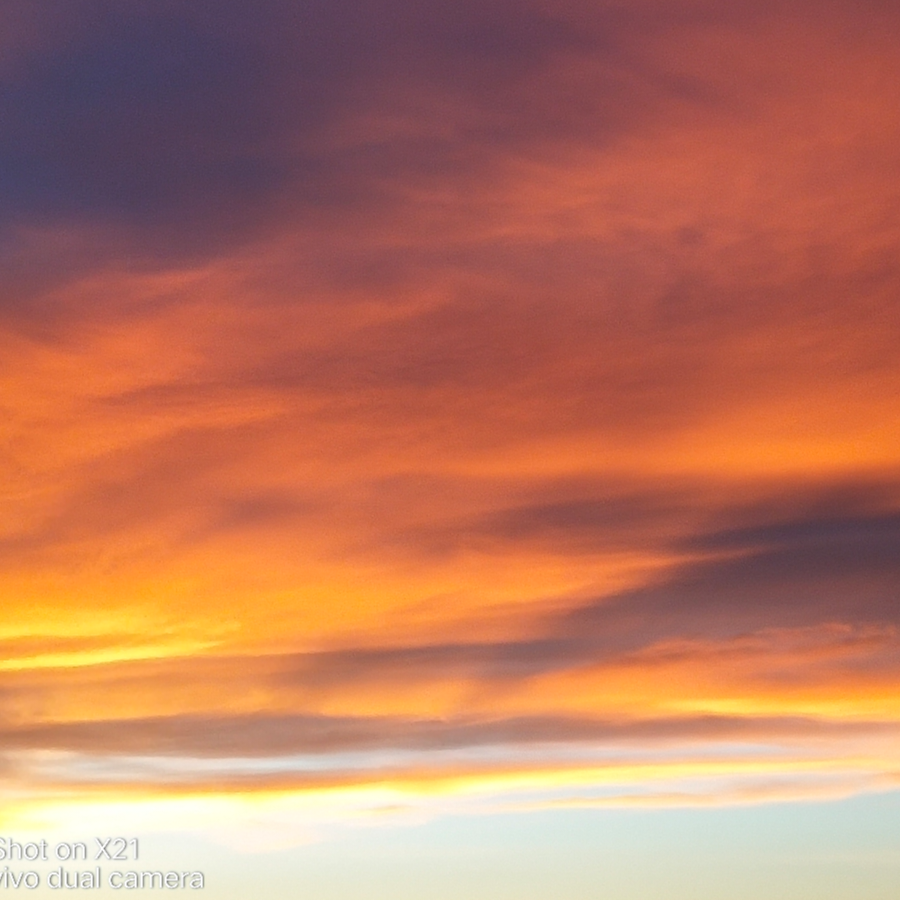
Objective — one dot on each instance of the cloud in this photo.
(236, 737)
(201, 131)
(388, 377)
(162, 117)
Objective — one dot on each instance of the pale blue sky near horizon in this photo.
(833, 850)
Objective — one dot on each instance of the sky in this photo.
(453, 448)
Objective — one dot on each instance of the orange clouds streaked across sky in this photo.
(447, 407)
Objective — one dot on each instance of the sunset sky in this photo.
(452, 449)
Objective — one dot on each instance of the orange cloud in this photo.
(530, 389)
